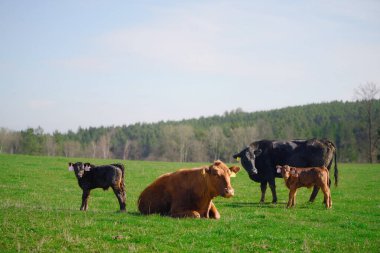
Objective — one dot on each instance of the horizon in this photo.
(179, 120)
(66, 65)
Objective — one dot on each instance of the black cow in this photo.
(90, 177)
(260, 158)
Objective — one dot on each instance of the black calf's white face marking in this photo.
(79, 168)
(87, 167)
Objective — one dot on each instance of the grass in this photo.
(40, 200)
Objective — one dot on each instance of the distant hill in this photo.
(209, 138)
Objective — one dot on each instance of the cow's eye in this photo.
(250, 155)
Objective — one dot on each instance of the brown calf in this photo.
(188, 192)
(305, 177)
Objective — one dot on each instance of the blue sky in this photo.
(66, 64)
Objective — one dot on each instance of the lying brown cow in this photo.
(188, 192)
(305, 177)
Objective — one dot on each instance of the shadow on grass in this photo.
(135, 214)
(253, 204)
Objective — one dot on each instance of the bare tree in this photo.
(264, 129)
(104, 143)
(9, 141)
(368, 93)
(93, 149)
(126, 149)
(71, 148)
(176, 143)
(216, 141)
(197, 151)
(240, 138)
(50, 145)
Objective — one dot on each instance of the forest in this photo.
(352, 126)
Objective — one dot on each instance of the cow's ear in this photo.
(237, 156)
(71, 168)
(278, 167)
(240, 154)
(235, 169)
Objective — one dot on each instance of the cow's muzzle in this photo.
(80, 173)
(228, 192)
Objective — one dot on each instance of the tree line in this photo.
(210, 138)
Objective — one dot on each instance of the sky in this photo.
(76, 63)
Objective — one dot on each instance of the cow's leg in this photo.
(327, 196)
(120, 195)
(213, 212)
(292, 194)
(314, 193)
(85, 196)
(272, 186)
(263, 187)
(185, 214)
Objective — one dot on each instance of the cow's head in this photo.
(219, 178)
(79, 168)
(286, 171)
(247, 157)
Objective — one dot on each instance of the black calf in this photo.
(90, 177)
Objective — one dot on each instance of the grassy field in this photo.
(40, 200)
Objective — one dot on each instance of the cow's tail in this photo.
(335, 169)
(122, 168)
(332, 147)
(122, 176)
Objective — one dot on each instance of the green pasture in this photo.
(40, 200)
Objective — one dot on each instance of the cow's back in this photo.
(308, 177)
(308, 153)
(182, 187)
(156, 198)
(104, 176)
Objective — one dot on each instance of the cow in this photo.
(188, 192)
(305, 177)
(90, 177)
(260, 158)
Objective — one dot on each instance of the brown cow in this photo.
(188, 192)
(305, 177)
